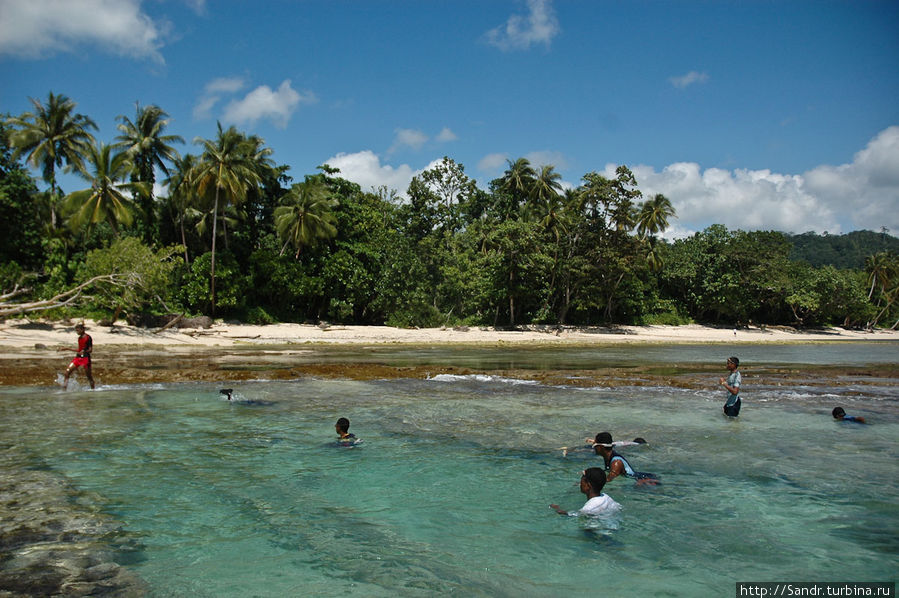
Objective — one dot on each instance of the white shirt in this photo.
(598, 505)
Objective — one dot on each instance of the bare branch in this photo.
(68, 297)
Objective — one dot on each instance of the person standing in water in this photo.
(82, 356)
(592, 482)
(732, 384)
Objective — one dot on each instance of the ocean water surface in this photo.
(448, 493)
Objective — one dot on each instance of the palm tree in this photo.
(546, 199)
(653, 216)
(182, 191)
(51, 136)
(228, 166)
(148, 147)
(106, 199)
(306, 216)
(516, 184)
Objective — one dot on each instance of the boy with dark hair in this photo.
(618, 465)
(732, 384)
(82, 356)
(840, 415)
(592, 482)
(344, 437)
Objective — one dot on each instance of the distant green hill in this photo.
(841, 251)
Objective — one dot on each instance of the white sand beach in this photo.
(29, 334)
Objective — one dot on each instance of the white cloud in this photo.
(688, 79)
(263, 103)
(365, 169)
(446, 135)
(37, 28)
(861, 195)
(865, 192)
(492, 162)
(213, 92)
(408, 138)
(521, 32)
(547, 158)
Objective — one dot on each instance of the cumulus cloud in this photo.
(408, 138)
(416, 139)
(866, 191)
(276, 106)
(38, 28)
(492, 162)
(521, 32)
(688, 79)
(365, 169)
(446, 135)
(863, 194)
(213, 92)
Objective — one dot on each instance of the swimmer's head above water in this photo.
(228, 392)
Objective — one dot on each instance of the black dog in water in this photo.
(229, 392)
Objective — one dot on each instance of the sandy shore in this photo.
(28, 334)
(125, 354)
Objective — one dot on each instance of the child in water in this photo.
(344, 436)
(840, 415)
(592, 482)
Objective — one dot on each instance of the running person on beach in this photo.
(732, 384)
(82, 356)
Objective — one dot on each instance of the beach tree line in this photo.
(223, 230)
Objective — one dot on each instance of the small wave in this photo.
(480, 378)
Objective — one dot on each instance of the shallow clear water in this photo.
(449, 491)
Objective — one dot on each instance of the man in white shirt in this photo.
(592, 482)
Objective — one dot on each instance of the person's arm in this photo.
(88, 347)
(731, 389)
(558, 509)
(615, 469)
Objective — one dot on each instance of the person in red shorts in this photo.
(82, 356)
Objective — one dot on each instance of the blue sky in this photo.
(756, 114)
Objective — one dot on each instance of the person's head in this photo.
(592, 480)
(838, 413)
(733, 363)
(602, 444)
(342, 425)
(639, 440)
(79, 328)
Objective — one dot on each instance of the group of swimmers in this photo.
(594, 479)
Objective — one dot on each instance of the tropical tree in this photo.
(227, 168)
(653, 219)
(306, 216)
(883, 277)
(654, 215)
(147, 146)
(182, 191)
(515, 186)
(107, 199)
(52, 136)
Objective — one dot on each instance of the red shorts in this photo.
(79, 362)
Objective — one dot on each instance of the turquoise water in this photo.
(449, 491)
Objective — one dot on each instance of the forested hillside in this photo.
(841, 251)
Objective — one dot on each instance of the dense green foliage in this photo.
(232, 235)
(841, 251)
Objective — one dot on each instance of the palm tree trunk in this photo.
(184, 240)
(215, 213)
